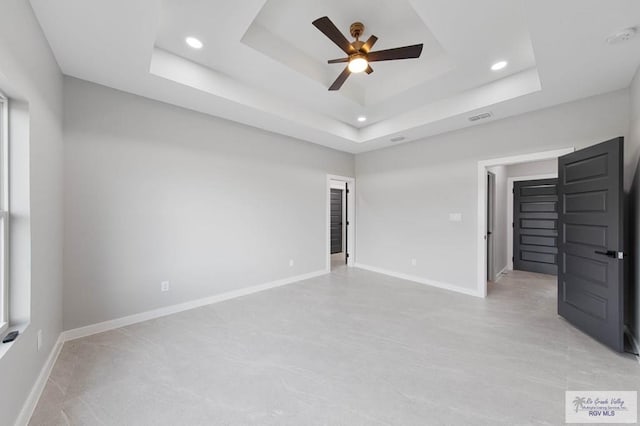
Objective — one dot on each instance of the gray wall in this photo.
(632, 185)
(533, 168)
(155, 192)
(405, 193)
(30, 76)
(500, 220)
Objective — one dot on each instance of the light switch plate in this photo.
(455, 217)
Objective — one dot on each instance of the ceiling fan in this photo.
(359, 53)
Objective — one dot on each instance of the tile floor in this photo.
(349, 348)
(337, 261)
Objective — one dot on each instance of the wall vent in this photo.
(622, 35)
(480, 116)
(397, 139)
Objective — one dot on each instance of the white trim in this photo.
(351, 218)
(337, 184)
(4, 211)
(510, 182)
(36, 391)
(100, 327)
(481, 273)
(420, 280)
(501, 273)
(491, 244)
(634, 342)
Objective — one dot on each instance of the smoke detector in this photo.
(482, 116)
(622, 35)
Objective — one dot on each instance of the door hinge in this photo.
(513, 259)
(347, 255)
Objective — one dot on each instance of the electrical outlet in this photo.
(290, 262)
(164, 286)
(39, 340)
(413, 262)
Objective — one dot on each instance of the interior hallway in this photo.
(337, 260)
(352, 347)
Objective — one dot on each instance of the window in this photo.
(4, 213)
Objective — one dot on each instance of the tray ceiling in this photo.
(264, 64)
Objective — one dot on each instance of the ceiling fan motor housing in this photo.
(359, 53)
(356, 30)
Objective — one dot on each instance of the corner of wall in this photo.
(31, 78)
(632, 220)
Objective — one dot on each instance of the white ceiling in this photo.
(264, 63)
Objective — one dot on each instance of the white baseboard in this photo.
(32, 400)
(420, 280)
(501, 273)
(100, 327)
(634, 342)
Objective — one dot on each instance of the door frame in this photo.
(510, 182)
(350, 246)
(490, 225)
(481, 261)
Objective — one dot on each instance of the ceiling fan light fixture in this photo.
(358, 63)
(359, 54)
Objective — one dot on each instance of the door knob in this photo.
(611, 253)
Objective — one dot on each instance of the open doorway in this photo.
(570, 226)
(340, 221)
(496, 225)
(522, 218)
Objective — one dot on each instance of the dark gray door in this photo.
(535, 226)
(336, 221)
(590, 277)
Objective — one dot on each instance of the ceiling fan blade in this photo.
(406, 52)
(369, 70)
(338, 61)
(327, 27)
(369, 44)
(340, 80)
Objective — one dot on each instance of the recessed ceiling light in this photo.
(194, 42)
(499, 65)
(362, 119)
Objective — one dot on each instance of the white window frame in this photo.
(4, 213)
